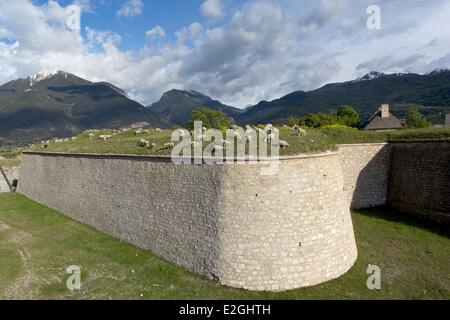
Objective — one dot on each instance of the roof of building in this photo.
(376, 122)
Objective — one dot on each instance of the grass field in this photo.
(10, 157)
(316, 140)
(8, 163)
(38, 244)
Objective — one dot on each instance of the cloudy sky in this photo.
(239, 52)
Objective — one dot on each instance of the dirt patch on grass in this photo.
(23, 286)
(27, 284)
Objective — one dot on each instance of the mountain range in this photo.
(60, 104)
(176, 106)
(430, 91)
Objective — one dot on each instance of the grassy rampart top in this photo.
(316, 140)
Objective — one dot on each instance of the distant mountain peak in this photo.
(365, 94)
(376, 75)
(40, 76)
(185, 92)
(176, 106)
(45, 75)
(437, 71)
(50, 104)
(371, 76)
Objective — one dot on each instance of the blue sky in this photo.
(237, 51)
(172, 14)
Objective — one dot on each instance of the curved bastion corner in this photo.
(227, 222)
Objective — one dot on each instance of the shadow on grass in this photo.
(389, 214)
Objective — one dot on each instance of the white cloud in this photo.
(102, 37)
(155, 32)
(42, 28)
(265, 50)
(131, 8)
(212, 9)
(190, 33)
(85, 5)
(4, 33)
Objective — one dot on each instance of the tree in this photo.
(211, 119)
(344, 116)
(414, 119)
(292, 121)
(318, 120)
(347, 116)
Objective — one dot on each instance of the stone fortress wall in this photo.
(226, 222)
(366, 173)
(410, 176)
(419, 180)
(4, 183)
(7, 176)
(229, 222)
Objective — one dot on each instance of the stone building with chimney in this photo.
(383, 119)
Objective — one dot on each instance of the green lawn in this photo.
(317, 140)
(37, 245)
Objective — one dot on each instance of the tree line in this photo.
(345, 116)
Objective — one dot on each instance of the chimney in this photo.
(385, 111)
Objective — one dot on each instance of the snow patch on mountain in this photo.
(40, 76)
(437, 71)
(371, 76)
